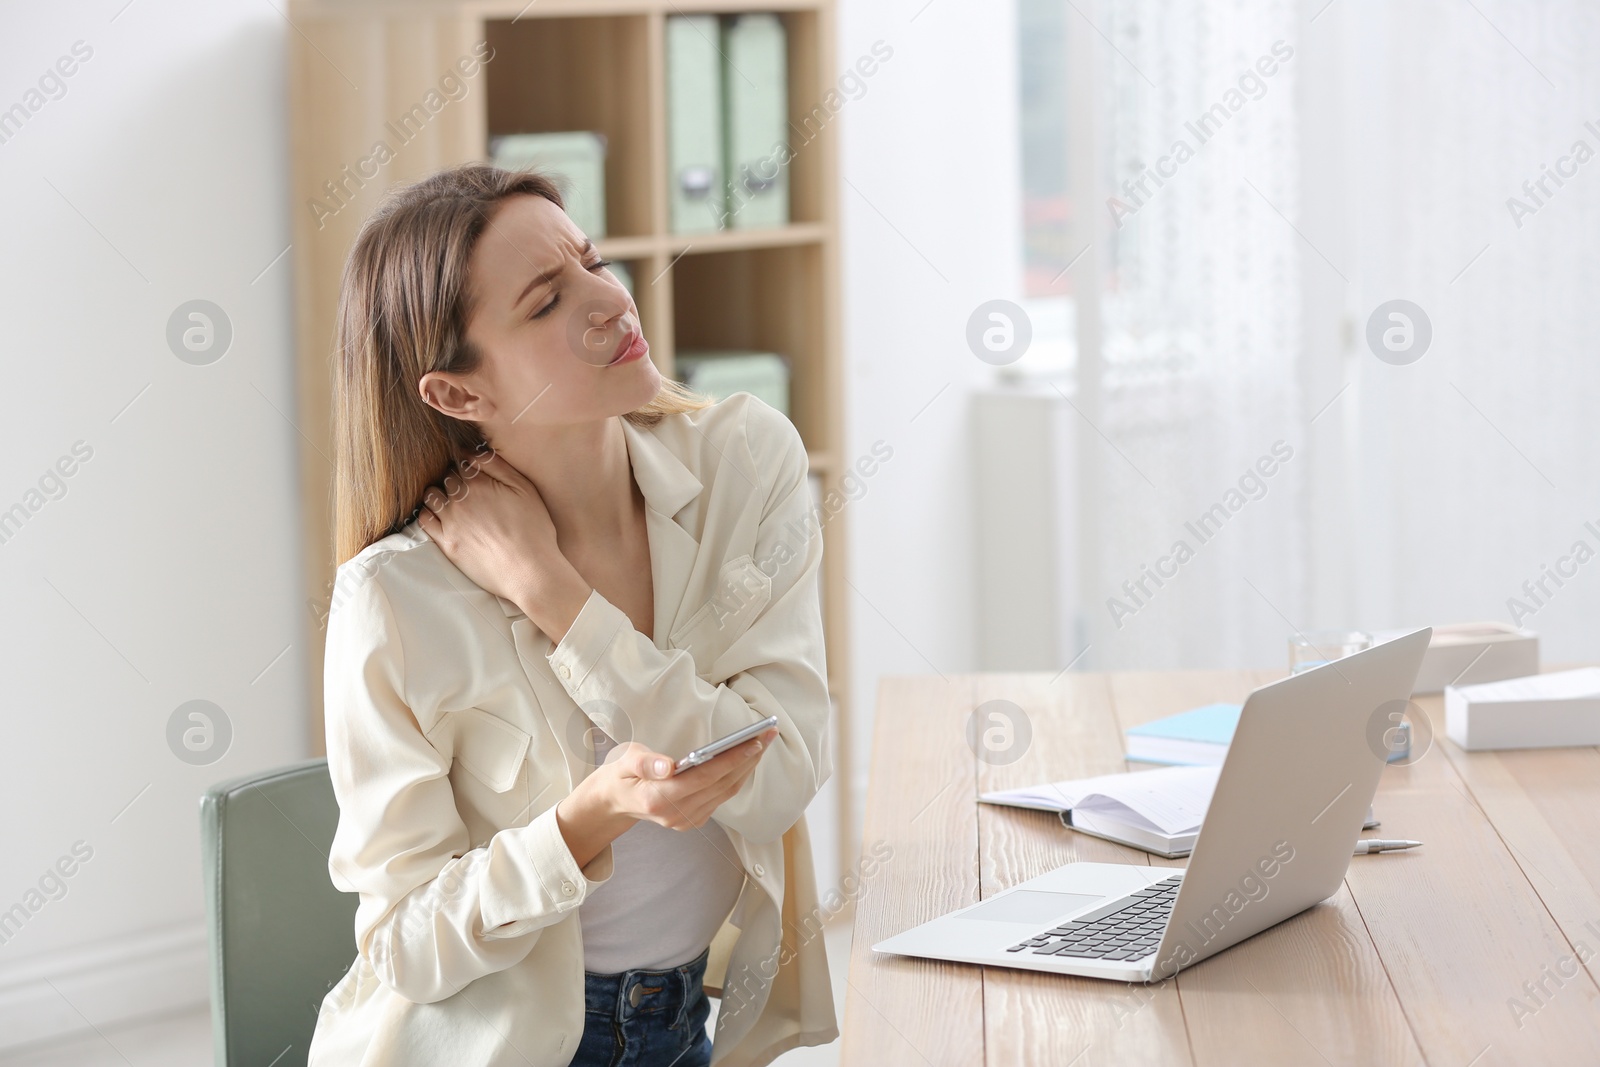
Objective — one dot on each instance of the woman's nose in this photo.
(593, 338)
(604, 296)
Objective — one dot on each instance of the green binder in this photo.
(695, 175)
(576, 159)
(755, 110)
(722, 372)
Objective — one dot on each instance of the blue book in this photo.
(1195, 738)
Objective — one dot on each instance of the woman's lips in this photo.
(634, 348)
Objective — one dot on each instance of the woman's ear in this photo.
(452, 395)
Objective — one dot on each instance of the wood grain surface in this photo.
(1482, 947)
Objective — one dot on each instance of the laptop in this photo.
(1282, 825)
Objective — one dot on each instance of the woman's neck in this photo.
(582, 473)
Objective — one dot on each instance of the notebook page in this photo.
(1170, 801)
(1054, 796)
(1171, 794)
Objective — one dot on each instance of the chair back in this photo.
(280, 934)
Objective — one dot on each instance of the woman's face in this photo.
(559, 335)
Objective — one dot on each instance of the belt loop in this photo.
(682, 976)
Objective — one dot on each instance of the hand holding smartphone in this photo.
(722, 744)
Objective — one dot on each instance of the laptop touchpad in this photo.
(1030, 906)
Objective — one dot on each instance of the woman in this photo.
(614, 572)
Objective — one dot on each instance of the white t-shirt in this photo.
(669, 893)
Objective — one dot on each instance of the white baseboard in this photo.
(74, 992)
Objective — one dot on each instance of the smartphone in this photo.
(722, 744)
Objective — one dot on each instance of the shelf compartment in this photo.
(810, 134)
(768, 299)
(544, 78)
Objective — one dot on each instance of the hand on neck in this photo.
(582, 473)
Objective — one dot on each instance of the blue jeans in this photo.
(646, 1018)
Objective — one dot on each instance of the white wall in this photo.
(931, 229)
(169, 571)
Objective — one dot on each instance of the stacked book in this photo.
(1465, 653)
(1559, 709)
(1198, 737)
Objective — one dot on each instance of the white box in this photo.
(1467, 653)
(1542, 711)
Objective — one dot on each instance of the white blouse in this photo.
(450, 723)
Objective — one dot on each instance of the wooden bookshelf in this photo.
(358, 65)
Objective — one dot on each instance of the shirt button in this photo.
(568, 888)
(566, 672)
(760, 870)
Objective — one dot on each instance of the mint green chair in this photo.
(281, 935)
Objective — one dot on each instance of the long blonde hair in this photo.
(402, 314)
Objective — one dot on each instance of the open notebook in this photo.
(1158, 811)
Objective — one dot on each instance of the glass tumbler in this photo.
(1317, 647)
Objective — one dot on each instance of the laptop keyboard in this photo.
(1129, 933)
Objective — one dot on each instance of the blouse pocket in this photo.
(742, 592)
(489, 772)
(491, 749)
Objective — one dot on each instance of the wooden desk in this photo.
(1417, 959)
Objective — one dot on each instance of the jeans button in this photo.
(633, 996)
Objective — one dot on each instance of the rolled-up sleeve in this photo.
(434, 913)
(659, 698)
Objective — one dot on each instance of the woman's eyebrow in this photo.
(547, 277)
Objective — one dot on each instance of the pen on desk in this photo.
(1378, 844)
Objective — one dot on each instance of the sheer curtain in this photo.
(1194, 351)
(1249, 465)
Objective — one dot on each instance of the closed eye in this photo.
(598, 265)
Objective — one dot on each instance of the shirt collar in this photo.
(666, 482)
